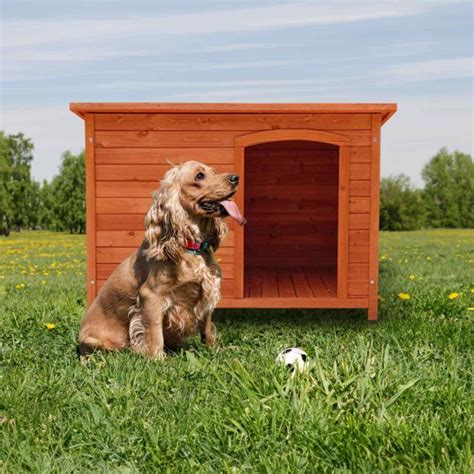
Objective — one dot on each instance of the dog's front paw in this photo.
(210, 341)
(156, 355)
(209, 334)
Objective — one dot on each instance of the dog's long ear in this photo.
(165, 221)
(218, 232)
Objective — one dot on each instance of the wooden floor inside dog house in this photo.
(290, 283)
(291, 203)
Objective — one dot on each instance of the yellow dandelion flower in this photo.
(404, 296)
(20, 286)
(50, 326)
(428, 258)
(472, 290)
(453, 296)
(411, 277)
(470, 309)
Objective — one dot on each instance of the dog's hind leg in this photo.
(89, 344)
(100, 332)
(95, 341)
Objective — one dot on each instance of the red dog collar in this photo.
(196, 247)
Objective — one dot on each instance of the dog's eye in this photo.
(199, 176)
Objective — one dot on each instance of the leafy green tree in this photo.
(18, 192)
(449, 189)
(6, 205)
(24, 203)
(401, 205)
(69, 192)
(33, 202)
(21, 156)
(47, 209)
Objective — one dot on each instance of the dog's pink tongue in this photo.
(233, 211)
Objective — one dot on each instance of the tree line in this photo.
(58, 205)
(446, 200)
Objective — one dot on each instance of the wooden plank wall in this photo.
(131, 153)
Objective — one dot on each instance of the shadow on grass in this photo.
(260, 327)
(291, 317)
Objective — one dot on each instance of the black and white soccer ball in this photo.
(293, 358)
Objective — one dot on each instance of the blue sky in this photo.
(416, 53)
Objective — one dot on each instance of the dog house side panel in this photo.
(364, 192)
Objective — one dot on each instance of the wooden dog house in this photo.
(309, 190)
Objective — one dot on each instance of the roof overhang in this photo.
(82, 108)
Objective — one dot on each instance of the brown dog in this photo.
(168, 288)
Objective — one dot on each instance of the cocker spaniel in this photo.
(166, 291)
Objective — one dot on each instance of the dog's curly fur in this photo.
(162, 294)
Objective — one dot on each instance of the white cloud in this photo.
(20, 33)
(249, 64)
(263, 83)
(245, 94)
(435, 69)
(71, 55)
(31, 48)
(236, 47)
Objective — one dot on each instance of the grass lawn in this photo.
(392, 396)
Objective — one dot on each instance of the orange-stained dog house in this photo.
(309, 190)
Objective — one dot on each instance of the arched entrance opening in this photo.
(291, 204)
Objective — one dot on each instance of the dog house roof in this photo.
(81, 108)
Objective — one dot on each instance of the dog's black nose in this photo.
(233, 179)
